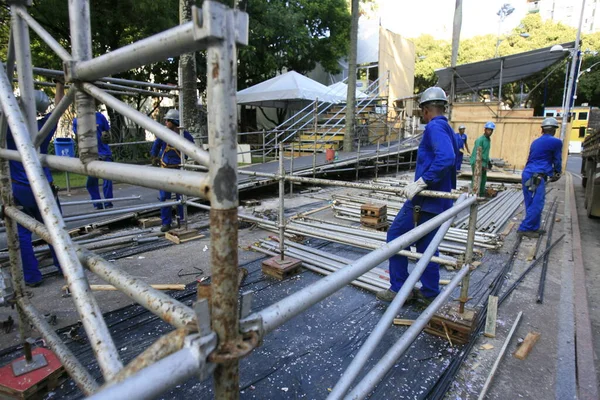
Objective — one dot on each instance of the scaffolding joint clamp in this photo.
(202, 346)
(209, 22)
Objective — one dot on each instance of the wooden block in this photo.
(179, 236)
(403, 322)
(530, 340)
(149, 222)
(508, 228)
(278, 269)
(373, 210)
(486, 346)
(373, 221)
(448, 323)
(490, 320)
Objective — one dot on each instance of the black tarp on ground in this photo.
(305, 357)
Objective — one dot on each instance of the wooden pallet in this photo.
(281, 270)
(447, 323)
(179, 236)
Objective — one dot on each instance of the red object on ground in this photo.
(329, 155)
(25, 386)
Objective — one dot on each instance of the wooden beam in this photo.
(530, 340)
(490, 320)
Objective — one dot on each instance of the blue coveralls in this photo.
(461, 139)
(25, 198)
(436, 161)
(545, 158)
(104, 154)
(170, 157)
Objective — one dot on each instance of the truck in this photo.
(590, 173)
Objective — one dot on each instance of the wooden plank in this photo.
(149, 222)
(508, 229)
(403, 322)
(177, 239)
(530, 340)
(490, 320)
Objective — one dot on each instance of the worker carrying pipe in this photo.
(436, 162)
(544, 162)
(485, 142)
(167, 156)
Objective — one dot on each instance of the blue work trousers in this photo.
(430, 279)
(165, 212)
(534, 204)
(459, 160)
(107, 188)
(24, 197)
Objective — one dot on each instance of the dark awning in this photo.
(486, 74)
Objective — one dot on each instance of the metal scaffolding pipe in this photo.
(55, 115)
(170, 180)
(84, 381)
(161, 131)
(87, 307)
(370, 381)
(145, 207)
(157, 302)
(42, 33)
(112, 200)
(277, 314)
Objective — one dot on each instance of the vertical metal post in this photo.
(315, 126)
(281, 203)
(387, 164)
(24, 69)
(464, 290)
(500, 82)
(398, 158)
(377, 161)
(292, 170)
(264, 154)
(357, 156)
(222, 122)
(81, 46)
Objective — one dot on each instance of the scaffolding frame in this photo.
(205, 341)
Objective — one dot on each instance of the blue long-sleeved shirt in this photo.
(436, 165)
(545, 156)
(169, 155)
(17, 171)
(101, 126)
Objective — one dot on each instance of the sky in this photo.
(411, 18)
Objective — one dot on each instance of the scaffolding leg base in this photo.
(281, 269)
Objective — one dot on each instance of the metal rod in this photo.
(542, 284)
(171, 180)
(161, 131)
(117, 211)
(291, 171)
(222, 122)
(43, 34)
(157, 302)
(370, 381)
(54, 117)
(315, 128)
(377, 161)
(281, 204)
(112, 200)
(87, 307)
(362, 356)
(85, 382)
(282, 311)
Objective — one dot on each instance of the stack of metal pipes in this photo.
(493, 215)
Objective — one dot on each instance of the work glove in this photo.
(412, 189)
(555, 177)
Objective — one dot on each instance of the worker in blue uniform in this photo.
(436, 162)
(544, 162)
(23, 194)
(167, 156)
(461, 142)
(104, 154)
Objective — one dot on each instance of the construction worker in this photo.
(23, 194)
(461, 141)
(169, 157)
(436, 161)
(485, 143)
(104, 154)
(544, 162)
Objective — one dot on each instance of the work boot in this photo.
(389, 295)
(420, 297)
(531, 234)
(35, 284)
(165, 228)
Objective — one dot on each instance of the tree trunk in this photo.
(351, 94)
(188, 94)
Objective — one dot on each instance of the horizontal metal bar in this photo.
(43, 34)
(277, 314)
(161, 131)
(128, 82)
(197, 205)
(157, 302)
(117, 211)
(130, 143)
(132, 90)
(113, 200)
(75, 369)
(171, 180)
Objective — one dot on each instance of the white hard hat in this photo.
(173, 115)
(42, 101)
(433, 94)
(550, 121)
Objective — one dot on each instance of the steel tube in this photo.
(221, 62)
(281, 204)
(87, 307)
(112, 200)
(197, 205)
(171, 180)
(23, 58)
(152, 381)
(42, 33)
(370, 381)
(282, 311)
(54, 117)
(85, 382)
(145, 207)
(161, 131)
(131, 90)
(362, 356)
(157, 302)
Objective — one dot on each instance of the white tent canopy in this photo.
(340, 90)
(285, 90)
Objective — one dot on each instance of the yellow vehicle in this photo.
(581, 120)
